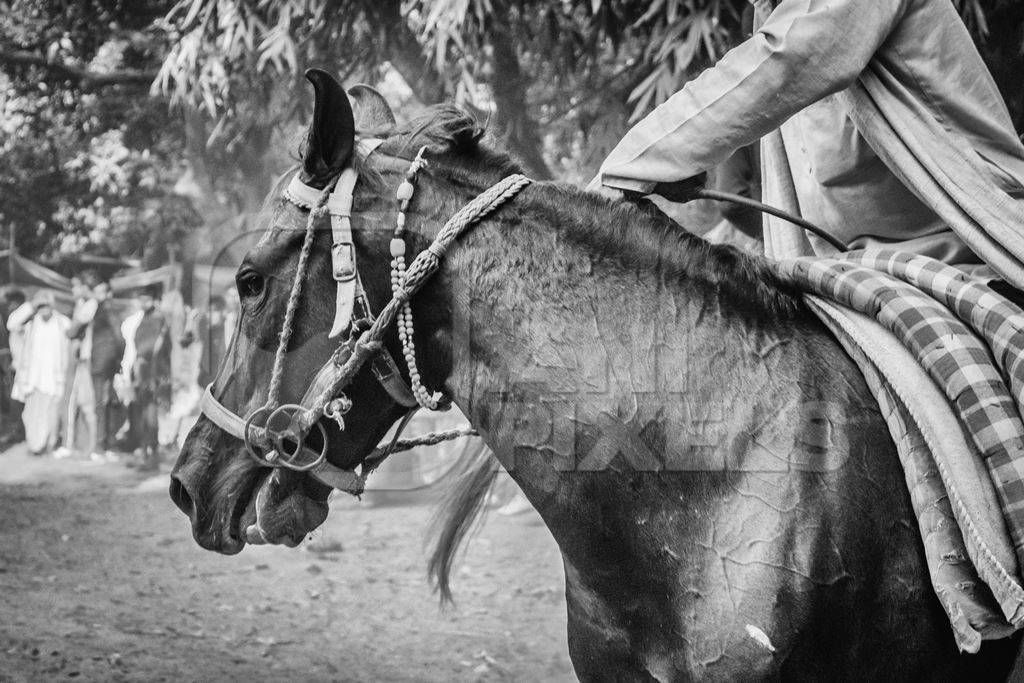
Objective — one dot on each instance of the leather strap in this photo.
(305, 196)
(345, 481)
(385, 369)
(221, 416)
(343, 251)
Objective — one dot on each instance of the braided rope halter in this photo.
(278, 441)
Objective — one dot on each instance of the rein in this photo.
(275, 435)
(719, 196)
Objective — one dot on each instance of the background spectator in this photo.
(147, 374)
(39, 375)
(81, 401)
(209, 331)
(105, 359)
(11, 429)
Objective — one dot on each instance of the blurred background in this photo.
(138, 139)
(149, 131)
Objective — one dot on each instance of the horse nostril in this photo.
(181, 497)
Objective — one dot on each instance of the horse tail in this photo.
(462, 506)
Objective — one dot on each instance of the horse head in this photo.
(230, 496)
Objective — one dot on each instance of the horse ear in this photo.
(372, 111)
(331, 136)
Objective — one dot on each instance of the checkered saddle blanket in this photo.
(970, 342)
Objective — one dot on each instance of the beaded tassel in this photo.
(398, 266)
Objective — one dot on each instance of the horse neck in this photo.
(547, 334)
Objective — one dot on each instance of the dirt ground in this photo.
(101, 580)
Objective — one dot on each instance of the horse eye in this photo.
(250, 284)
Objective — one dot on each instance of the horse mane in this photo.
(642, 238)
(447, 130)
(639, 238)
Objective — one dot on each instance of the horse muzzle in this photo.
(230, 501)
(282, 511)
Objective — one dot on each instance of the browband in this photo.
(306, 196)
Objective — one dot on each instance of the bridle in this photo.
(275, 434)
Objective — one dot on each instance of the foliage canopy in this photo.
(93, 157)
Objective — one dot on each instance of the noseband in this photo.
(275, 434)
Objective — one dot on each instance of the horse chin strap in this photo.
(348, 481)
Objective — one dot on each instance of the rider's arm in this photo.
(807, 49)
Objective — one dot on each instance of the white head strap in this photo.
(343, 252)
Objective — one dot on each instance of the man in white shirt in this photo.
(145, 378)
(81, 397)
(40, 375)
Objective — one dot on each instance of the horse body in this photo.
(702, 469)
(715, 472)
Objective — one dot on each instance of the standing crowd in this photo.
(95, 382)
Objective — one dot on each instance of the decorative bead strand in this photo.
(398, 272)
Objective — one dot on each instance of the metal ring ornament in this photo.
(250, 445)
(288, 459)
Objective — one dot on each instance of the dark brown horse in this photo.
(722, 487)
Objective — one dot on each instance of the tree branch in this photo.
(508, 85)
(604, 91)
(86, 80)
(406, 55)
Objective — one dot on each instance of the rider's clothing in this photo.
(786, 77)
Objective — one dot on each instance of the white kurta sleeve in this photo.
(85, 313)
(128, 329)
(806, 50)
(19, 317)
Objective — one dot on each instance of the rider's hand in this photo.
(612, 193)
(679, 191)
(639, 200)
(682, 191)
